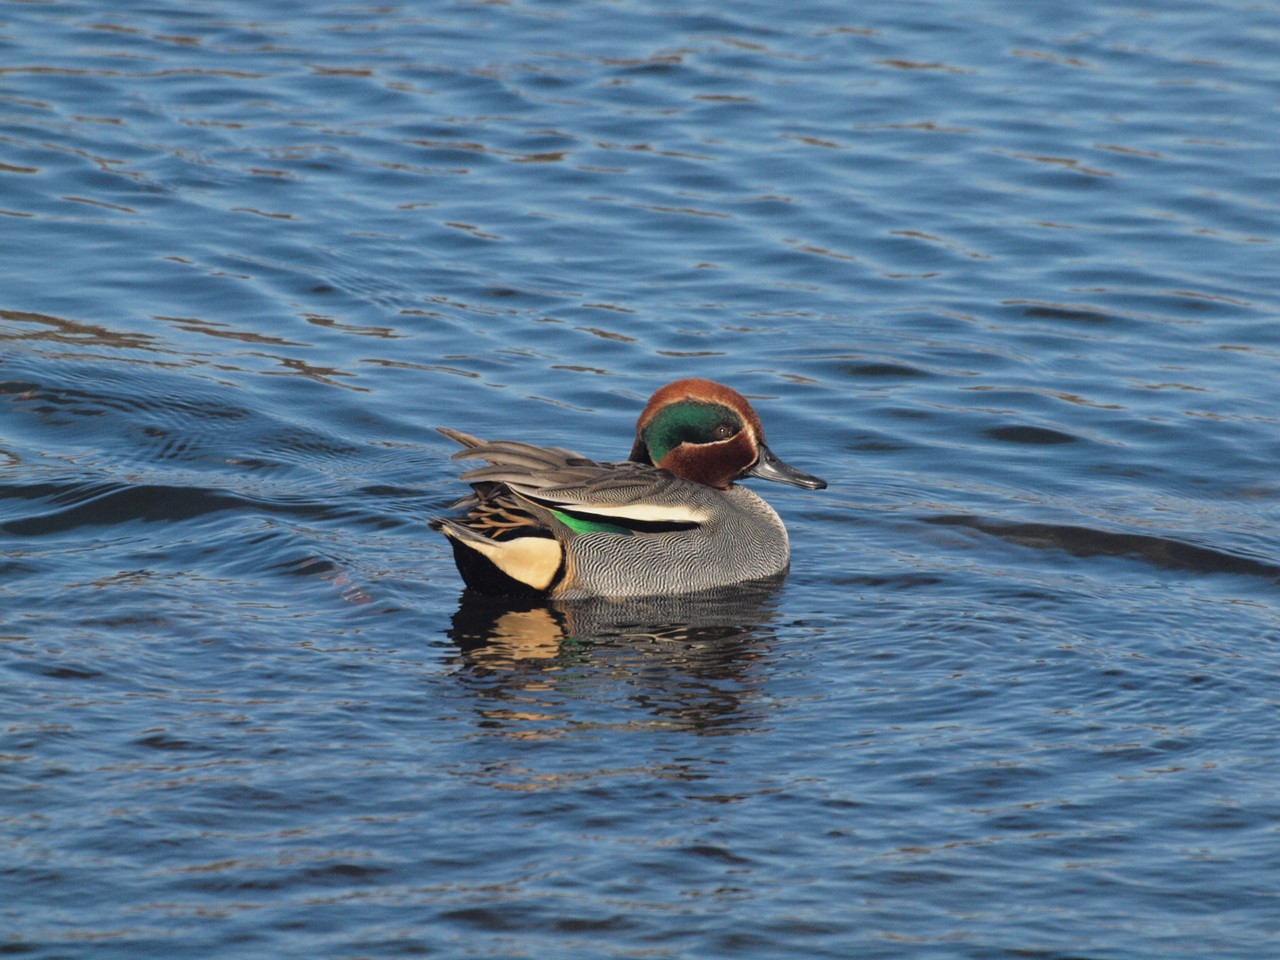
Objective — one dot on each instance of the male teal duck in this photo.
(543, 521)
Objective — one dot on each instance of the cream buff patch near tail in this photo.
(533, 561)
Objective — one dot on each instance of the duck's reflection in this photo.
(689, 661)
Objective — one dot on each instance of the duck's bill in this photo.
(769, 467)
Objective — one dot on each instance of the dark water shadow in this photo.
(690, 661)
(74, 505)
(1161, 552)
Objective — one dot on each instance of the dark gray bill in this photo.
(769, 467)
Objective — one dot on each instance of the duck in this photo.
(545, 522)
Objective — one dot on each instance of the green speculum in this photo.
(584, 525)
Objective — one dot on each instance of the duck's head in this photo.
(703, 431)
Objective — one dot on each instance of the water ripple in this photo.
(1000, 272)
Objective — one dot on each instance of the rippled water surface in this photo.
(1002, 272)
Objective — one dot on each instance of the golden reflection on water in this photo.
(521, 635)
(688, 663)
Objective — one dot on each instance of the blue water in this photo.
(1003, 273)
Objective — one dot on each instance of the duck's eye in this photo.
(724, 431)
